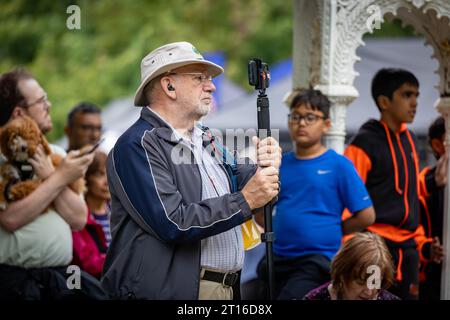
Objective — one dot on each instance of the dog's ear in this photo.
(1, 139)
(5, 133)
(45, 145)
(33, 128)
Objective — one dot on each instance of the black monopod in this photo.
(259, 77)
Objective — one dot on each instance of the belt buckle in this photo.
(230, 279)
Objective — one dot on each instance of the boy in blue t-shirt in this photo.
(317, 184)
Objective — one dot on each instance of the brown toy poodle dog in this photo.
(19, 140)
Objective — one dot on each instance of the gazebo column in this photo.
(327, 34)
(340, 97)
(443, 106)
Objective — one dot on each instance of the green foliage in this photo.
(101, 61)
(392, 29)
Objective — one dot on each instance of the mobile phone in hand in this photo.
(94, 147)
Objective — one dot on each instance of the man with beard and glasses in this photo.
(178, 196)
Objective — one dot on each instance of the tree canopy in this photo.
(100, 62)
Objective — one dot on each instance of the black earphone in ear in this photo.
(170, 88)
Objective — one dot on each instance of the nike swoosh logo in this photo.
(323, 171)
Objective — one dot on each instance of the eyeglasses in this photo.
(91, 128)
(43, 99)
(200, 77)
(309, 118)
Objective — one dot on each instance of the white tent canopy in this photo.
(410, 54)
(239, 108)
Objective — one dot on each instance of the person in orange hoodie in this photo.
(432, 213)
(384, 154)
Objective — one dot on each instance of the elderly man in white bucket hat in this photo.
(176, 224)
(165, 59)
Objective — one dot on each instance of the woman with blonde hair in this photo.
(361, 270)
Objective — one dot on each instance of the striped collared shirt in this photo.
(225, 251)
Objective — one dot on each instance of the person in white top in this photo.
(36, 247)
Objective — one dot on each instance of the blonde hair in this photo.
(354, 258)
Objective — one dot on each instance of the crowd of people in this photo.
(161, 215)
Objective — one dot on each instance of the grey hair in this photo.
(150, 88)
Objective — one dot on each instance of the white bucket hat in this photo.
(165, 59)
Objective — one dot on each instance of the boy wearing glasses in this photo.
(317, 184)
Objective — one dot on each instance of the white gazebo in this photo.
(326, 36)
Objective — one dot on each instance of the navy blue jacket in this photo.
(158, 216)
